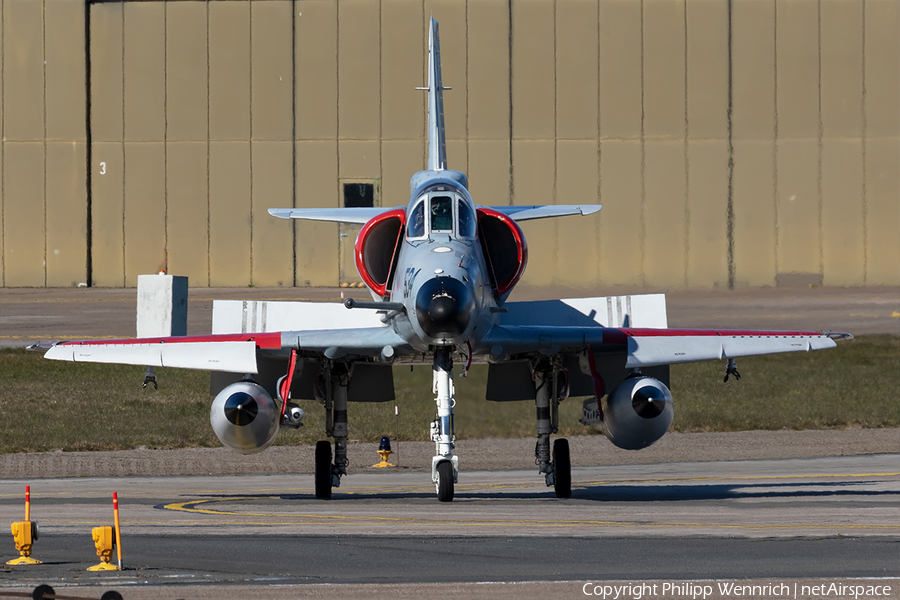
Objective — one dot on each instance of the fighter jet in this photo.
(440, 271)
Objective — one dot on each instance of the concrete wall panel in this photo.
(665, 214)
(272, 85)
(843, 256)
(317, 242)
(621, 220)
(799, 208)
(489, 172)
(534, 180)
(359, 70)
(107, 76)
(882, 76)
(145, 69)
(533, 53)
(402, 65)
(316, 66)
(229, 214)
(577, 182)
(797, 45)
(23, 70)
(755, 221)
(707, 243)
(272, 242)
(399, 160)
(707, 69)
(621, 86)
(64, 48)
(359, 159)
(451, 15)
(67, 214)
(842, 68)
(664, 63)
(488, 76)
(107, 214)
(229, 71)
(24, 244)
(187, 77)
(577, 88)
(187, 218)
(882, 212)
(753, 72)
(145, 210)
(457, 157)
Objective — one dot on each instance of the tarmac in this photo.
(752, 508)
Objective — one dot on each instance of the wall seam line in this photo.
(687, 164)
(863, 135)
(294, 139)
(44, 110)
(821, 126)
(729, 209)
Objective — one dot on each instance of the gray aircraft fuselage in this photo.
(440, 275)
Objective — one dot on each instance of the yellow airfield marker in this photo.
(25, 533)
(105, 539)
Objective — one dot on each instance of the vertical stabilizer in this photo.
(437, 140)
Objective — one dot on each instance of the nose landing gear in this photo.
(444, 465)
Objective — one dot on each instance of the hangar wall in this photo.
(734, 143)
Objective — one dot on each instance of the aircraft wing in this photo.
(338, 215)
(236, 353)
(526, 213)
(652, 347)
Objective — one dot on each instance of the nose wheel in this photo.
(444, 483)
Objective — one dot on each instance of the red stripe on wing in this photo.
(263, 340)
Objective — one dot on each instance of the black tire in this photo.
(39, 591)
(111, 595)
(323, 469)
(445, 481)
(562, 469)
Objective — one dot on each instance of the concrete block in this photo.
(162, 303)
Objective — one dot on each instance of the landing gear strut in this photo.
(336, 379)
(444, 465)
(558, 473)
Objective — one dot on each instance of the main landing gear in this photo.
(551, 385)
(444, 464)
(333, 388)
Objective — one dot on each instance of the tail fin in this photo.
(437, 139)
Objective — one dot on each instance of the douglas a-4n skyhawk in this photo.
(439, 271)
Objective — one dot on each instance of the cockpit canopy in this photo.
(441, 212)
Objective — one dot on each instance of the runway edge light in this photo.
(25, 533)
(384, 450)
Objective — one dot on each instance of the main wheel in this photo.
(323, 469)
(444, 483)
(562, 469)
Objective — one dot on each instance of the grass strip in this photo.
(47, 405)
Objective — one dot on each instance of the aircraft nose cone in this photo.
(444, 307)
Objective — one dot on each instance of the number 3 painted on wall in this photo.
(103, 168)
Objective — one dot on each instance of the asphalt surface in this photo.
(831, 517)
